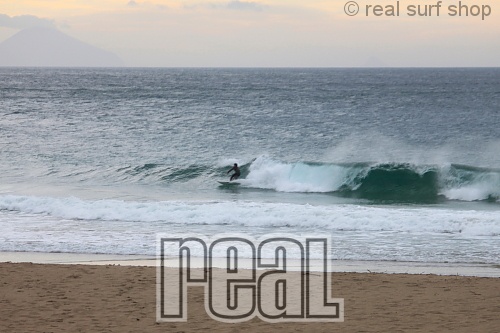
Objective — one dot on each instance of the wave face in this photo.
(402, 182)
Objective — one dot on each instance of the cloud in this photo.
(245, 5)
(146, 5)
(236, 5)
(24, 21)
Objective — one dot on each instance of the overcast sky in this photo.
(262, 33)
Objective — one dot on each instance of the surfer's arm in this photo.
(230, 170)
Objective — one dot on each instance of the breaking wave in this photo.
(391, 182)
(378, 181)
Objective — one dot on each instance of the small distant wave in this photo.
(160, 173)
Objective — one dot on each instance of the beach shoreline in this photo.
(338, 266)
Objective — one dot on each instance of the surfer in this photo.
(236, 173)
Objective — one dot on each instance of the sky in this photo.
(270, 33)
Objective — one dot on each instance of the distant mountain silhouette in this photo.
(48, 47)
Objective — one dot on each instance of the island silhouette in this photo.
(49, 47)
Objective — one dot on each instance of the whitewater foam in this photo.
(70, 224)
(469, 183)
(262, 214)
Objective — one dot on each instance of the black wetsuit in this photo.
(236, 173)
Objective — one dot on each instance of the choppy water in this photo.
(395, 164)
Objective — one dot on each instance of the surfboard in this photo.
(228, 183)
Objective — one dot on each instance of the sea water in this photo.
(398, 165)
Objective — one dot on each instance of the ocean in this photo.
(396, 165)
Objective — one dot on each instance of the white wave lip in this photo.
(265, 215)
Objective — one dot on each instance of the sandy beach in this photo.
(87, 298)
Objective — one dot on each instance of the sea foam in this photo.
(303, 217)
